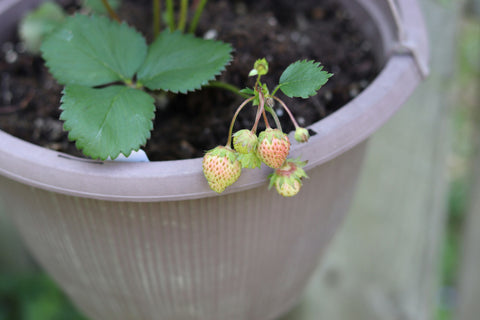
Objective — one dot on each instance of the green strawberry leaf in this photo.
(180, 62)
(94, 51)
(98, 7)
(303, 79)
(109, 121)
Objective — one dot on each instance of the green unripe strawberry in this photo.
(221, 168)
(273, 147)
(244, 141)
(301, 134)
(288, 178)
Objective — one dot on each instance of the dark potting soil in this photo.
(185, 126)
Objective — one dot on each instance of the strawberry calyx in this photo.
(223, 151)
(249, 160)
(288, 178)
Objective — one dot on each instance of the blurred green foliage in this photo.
(467, 84)
(34, 297)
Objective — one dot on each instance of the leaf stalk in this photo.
(157, 14)
(228, 87)
(182, 21)
(110, 11)
(170, 15)
(196, 16)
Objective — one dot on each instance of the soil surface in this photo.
(283, 31)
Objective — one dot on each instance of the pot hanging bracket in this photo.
(405, 45)
(408, 47)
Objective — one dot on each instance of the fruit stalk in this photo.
(292, 118)
(230, 130)
(260, 111)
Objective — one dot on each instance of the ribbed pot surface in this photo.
(242, 256)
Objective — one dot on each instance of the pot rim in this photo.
(183, 179)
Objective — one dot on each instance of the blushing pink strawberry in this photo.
(288, 178)
(221, 168)
(273, 147)
(288, 189)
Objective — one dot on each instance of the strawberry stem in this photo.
(199, 5)
(182, 21)
(260, 111)
(110, 11)
(275, 118)
(228, 87)
(275, 90)
(230, 131)
(157, 14)
(265, 119)
(288, 111)
(170, 15)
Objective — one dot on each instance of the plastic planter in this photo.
(151, 241)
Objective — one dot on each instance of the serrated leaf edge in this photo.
(224, 67)
(61, 79)
(314, 64)
(81, 145)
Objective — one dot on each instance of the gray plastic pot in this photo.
(152, 241)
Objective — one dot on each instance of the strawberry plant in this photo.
(111, 73)
(111, 76)
(222, 165)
